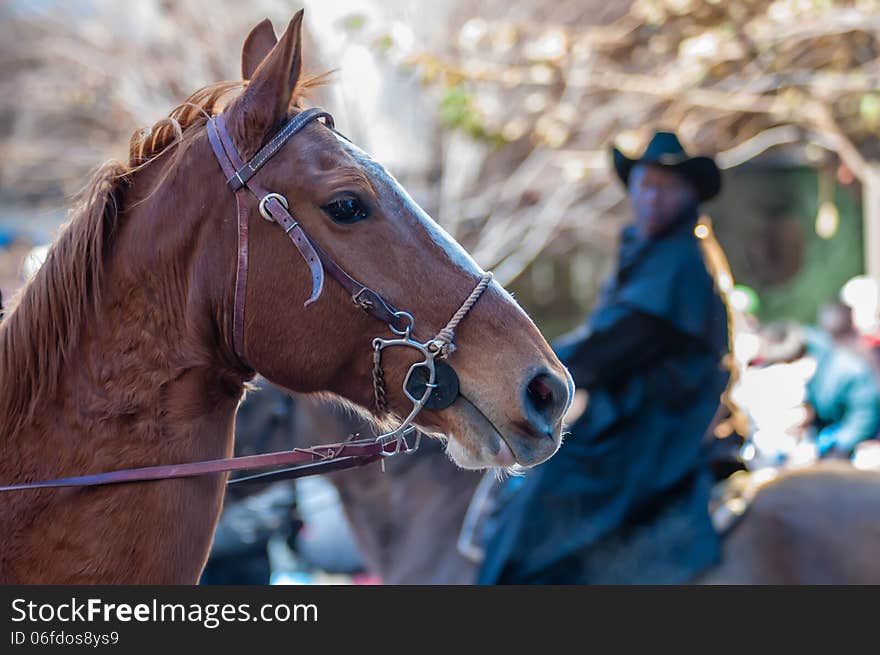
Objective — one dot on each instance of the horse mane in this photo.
(44, 320)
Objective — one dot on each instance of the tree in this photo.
(547, 89)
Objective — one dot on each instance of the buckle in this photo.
(264, 212)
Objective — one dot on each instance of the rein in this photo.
(423, 379)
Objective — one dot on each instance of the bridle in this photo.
(275, 208)
(430, 379)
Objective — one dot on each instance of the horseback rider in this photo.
(625, 500)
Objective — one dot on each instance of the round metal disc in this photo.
(447, 385)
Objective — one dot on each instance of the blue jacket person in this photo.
(625, 500)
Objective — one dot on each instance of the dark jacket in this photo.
(625, 500)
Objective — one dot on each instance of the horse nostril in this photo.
(540, 394)
(546, 397)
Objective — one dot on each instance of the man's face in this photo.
(658, 196)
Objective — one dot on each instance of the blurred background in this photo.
(498, 116)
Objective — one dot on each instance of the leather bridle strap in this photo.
(228, 162)
(245, 171)
(362, 296)
(318, 459)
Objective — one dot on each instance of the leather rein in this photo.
(419, 384)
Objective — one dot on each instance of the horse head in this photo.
(513, 390)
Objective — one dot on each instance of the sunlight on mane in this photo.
(151, 142)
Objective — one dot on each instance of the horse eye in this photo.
(346, 210)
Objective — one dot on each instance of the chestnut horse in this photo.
(120, 352)
(817, 525)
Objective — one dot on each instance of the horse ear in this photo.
(257, 45)
(264, 103)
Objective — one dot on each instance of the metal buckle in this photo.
(265, 199)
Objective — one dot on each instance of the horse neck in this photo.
(149, 375)
(145, 384)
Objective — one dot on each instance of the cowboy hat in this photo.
(666, 150)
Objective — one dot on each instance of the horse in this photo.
(811, 525)
(133, 344)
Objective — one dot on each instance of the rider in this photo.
(625, 500)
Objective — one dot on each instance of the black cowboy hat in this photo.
(666, 150)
